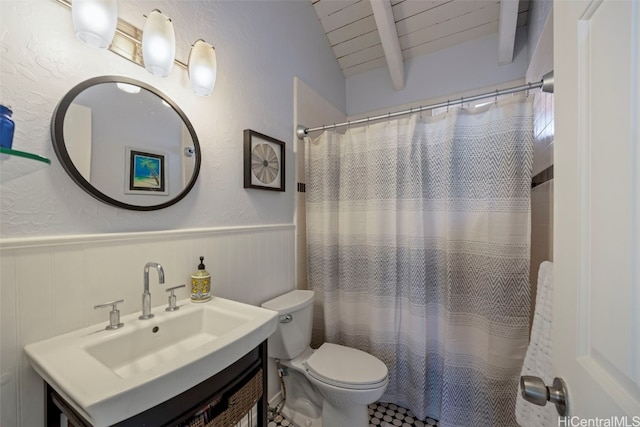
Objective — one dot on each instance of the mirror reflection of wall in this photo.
(187, 160)
(109, 126)
(78, 136)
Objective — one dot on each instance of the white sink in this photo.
(109, 376)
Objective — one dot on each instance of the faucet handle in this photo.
(172, 298)
(114, 314)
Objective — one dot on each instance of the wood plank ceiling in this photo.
(423, 26)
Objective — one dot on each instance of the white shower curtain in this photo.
(418, 252)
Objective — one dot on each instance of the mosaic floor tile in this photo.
(380, 415)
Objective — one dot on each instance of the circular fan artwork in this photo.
(264, 163)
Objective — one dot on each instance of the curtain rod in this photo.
(546, 84)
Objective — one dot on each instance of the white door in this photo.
(596, 315)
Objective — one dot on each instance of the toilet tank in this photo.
(293, 334)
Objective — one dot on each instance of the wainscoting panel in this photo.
(48, 286)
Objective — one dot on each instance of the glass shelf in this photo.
(14, 164)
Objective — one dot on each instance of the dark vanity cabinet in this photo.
(221, 400)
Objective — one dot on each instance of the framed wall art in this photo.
(263, 162)
(145, 172)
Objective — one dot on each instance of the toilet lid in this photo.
(345, 366)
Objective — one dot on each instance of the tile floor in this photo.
(380, 414)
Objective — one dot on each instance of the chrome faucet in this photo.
(146, 296)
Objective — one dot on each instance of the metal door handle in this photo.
(535, 391)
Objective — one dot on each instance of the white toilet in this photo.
(344, 380)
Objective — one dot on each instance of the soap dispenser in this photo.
(201, 284)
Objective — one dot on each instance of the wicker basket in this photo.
(239, 405)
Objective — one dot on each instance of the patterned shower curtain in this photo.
(418, 253)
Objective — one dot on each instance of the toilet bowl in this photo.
(344, 380)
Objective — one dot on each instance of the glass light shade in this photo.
(95, 21)
(202, 68)
(158, 44)
(126, 87)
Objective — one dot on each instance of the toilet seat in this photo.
(346, 367)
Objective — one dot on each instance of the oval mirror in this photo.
(126, 143)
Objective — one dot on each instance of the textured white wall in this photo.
(465, 67)
(261, 46)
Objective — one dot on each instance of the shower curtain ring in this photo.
(348, 124)
(462, 102)
(496, 100)
(421, 111)
(448, 102)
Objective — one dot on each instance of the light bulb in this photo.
(158, 44)
(95, 21)
(129, 88)
(202, 68)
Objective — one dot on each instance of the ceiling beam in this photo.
(386, 24)
(507, 30)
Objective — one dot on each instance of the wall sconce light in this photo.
(202, 68)
(154, 48)
(95, 21)
(158, 44)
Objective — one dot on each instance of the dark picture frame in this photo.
(264, 162)
(146, 172)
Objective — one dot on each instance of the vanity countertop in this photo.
(108, 376)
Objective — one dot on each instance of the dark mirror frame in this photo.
(57, 138)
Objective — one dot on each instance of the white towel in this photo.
(538, 360)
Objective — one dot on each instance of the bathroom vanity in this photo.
(160, 371)
(222, 399)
